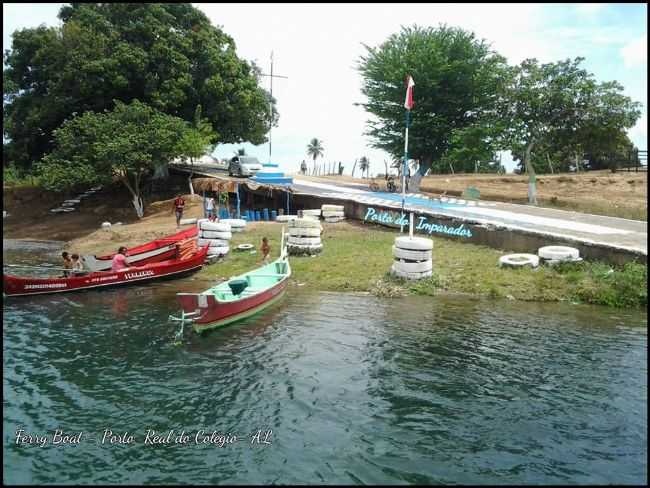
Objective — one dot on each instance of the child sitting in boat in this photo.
(265, 249)
(119, 260)
(77, 265)
(67, 263)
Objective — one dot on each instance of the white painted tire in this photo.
(106, 225)
(187, 221)
(69, 209)
(214, 226)
(558, 253)
(311, 217)
(57, 210)
(411, 255)
(304, 232)
(332, 208)
(411, 276)
(299, 249)
(304, 241)
(414, 244)
(553, 262)
(333, 214)
(234, 223)
(218, 251)
(285, 218)
(519, 260)
(212, 242)
(420, 267)
(73, 201)
(67, 205)
(333, 220)
(211, 234)
(237, 229)
(313, 212)
(304, 224)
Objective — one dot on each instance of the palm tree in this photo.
(364, 165)
(315, 149)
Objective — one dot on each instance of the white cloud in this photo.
(635, 53)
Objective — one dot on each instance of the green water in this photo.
(352, 389)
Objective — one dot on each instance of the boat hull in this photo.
(214, 314)
(21, 286)
(151, 252)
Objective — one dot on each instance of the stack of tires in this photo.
(217, 235)
(312, 213)
(304, 237)
(236, 225)
(332, 213)
(413, 259)
(552, 255)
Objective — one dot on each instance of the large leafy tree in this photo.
(559, 106)
(126, 143)
(458, 84)
(168, 56)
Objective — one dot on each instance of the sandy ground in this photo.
(29, 218)
(601, 192)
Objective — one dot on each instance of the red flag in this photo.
(408, 103)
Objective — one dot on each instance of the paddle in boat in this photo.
(189, 259)
(158, 250)
(238, 298)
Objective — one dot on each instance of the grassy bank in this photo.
(357, 257)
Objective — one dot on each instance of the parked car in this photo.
(244, 166)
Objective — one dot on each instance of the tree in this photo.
(364, 165)
(195, 143)
(126, 143)
(167, 55)
(458, 80)
(560, 102)
(315, 149)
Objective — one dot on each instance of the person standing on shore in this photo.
(179, 205)
(265, 249)
(209, 208)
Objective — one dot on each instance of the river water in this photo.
(321, 388)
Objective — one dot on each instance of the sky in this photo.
(317, 47)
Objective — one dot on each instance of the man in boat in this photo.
(119, 260)
(179, 205)
(67, 263)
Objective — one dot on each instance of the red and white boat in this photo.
(187, 263)
(238, 298)
(151, 252)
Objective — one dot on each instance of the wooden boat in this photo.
(151, 252)
(238, 298)
(187, 262)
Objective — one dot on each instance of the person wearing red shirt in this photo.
(179, 205)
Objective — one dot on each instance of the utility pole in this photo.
(271, 75)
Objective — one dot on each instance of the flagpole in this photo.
(406, 149)
(408, 105)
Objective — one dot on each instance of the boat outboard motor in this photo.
(237, 286)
